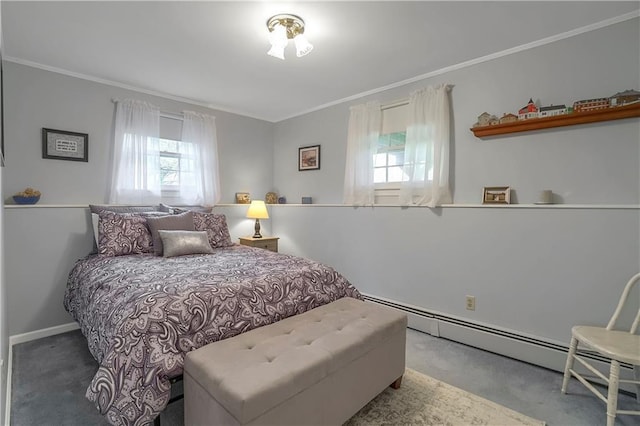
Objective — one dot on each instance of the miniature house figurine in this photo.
(528, 111)
(486, 119)
(591, 104)
(624, 98)
(551, 110)
(508, 118)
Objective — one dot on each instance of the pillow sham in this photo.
(97, 208)
(95, 218)
(216, 227)
(178, 222)
(180, 243)
(123, 233)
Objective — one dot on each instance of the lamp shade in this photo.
(257, 210)
(303, 47)
(278, 39)
(276, 52)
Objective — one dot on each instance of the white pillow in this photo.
(95, 218)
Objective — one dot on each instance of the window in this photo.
(389, 158)
(152, 162)
(169, 165)
(174, 164)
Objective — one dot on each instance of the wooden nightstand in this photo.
(269, 243)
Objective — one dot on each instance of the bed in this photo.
(141, 312)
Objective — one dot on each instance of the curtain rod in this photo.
(405, 101)
(395, 104)
(165, 114)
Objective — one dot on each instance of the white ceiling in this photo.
(214, 53)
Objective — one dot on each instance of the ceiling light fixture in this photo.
(284, 27)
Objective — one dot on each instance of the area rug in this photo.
(422, 400)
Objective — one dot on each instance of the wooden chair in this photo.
(616, 345)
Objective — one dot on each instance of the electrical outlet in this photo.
(471, 303)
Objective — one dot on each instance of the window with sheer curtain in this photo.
(362, 141)
(400, 154)
(158, 157)
(426, 152)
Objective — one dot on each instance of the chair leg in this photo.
(636, 377)
(567, 375)
(612, 397)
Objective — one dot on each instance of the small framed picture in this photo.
(63, 145)
(496, 195)
(243, 198)
(309, 158)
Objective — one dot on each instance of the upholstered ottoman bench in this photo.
(319, 367)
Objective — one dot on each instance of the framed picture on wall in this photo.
(309, 158)
(496, 195)
(63, 145)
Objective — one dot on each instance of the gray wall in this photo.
(592, 164)
(534, 270)
(43, 242)
(35, 98)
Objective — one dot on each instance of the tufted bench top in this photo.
(257, 370)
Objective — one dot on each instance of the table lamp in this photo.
(257, 210)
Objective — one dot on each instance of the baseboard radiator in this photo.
(529, 349)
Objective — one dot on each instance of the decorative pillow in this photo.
(216, 227)
(123, 233)
(178, 222)
(180, 243)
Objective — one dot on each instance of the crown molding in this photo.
(125, 86)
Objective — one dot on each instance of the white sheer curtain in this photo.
(362, 139)
(199, 177)
(426, 154)
(136, 165)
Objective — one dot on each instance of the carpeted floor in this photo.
(50, 377)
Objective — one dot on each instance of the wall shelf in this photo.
(613, 113)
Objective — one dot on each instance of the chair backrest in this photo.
(623, 299)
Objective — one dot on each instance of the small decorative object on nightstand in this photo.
(269, 243)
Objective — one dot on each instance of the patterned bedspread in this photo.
(142, 313)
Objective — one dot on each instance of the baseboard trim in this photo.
(511, 343)
(7, 392)
(39, 334)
